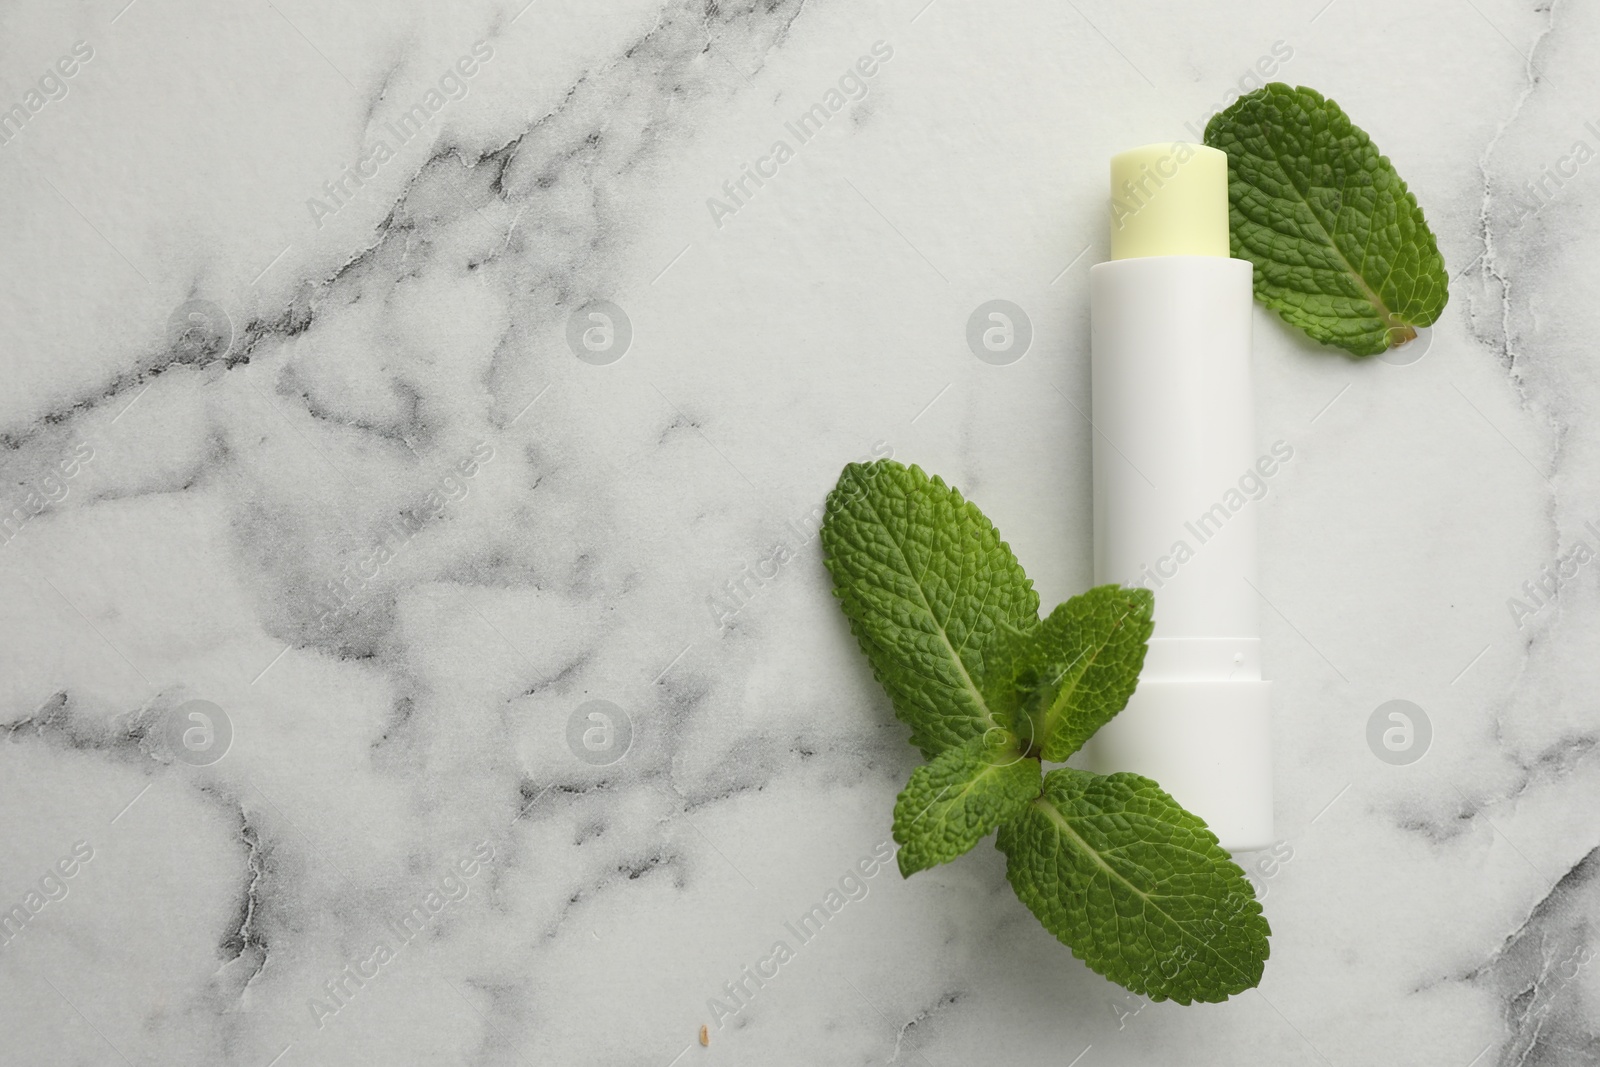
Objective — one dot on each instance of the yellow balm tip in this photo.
(1169, 199)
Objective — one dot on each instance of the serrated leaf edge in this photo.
(1054, 815)
(961, 502)
(988, 768)
(1054, 718)
(1391, 319)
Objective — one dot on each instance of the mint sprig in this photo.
(1115, 868)
(926, 583)
(1065, 678)
(1340, 247)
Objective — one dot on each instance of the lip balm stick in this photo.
(1175, 431)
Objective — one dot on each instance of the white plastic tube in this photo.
(1174, 424)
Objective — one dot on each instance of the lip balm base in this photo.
(1206, 743)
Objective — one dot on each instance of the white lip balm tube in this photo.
(1174, 424)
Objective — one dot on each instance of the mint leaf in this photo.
(1070, 675)
(1111, 865)
(954, 802)
(1340, 247)
(1137, 887)
(926, 583)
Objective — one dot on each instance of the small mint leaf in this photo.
(926, 583)
(1340, 247)
(953, 802)
(1137, 887)
(1064, 679)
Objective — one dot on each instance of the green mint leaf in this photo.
(926, 583)
(1340, 247)
(1067, 677)
(955, 801)
(1137, 887)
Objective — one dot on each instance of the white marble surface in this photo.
(345, 364)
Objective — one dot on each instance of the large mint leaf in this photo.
(1137, 887)
(1340, 247)
(1070, 675)
(953, 802)
(926, 583)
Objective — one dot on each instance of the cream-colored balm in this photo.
(1170, 366)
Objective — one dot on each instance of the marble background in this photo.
(320, 465)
